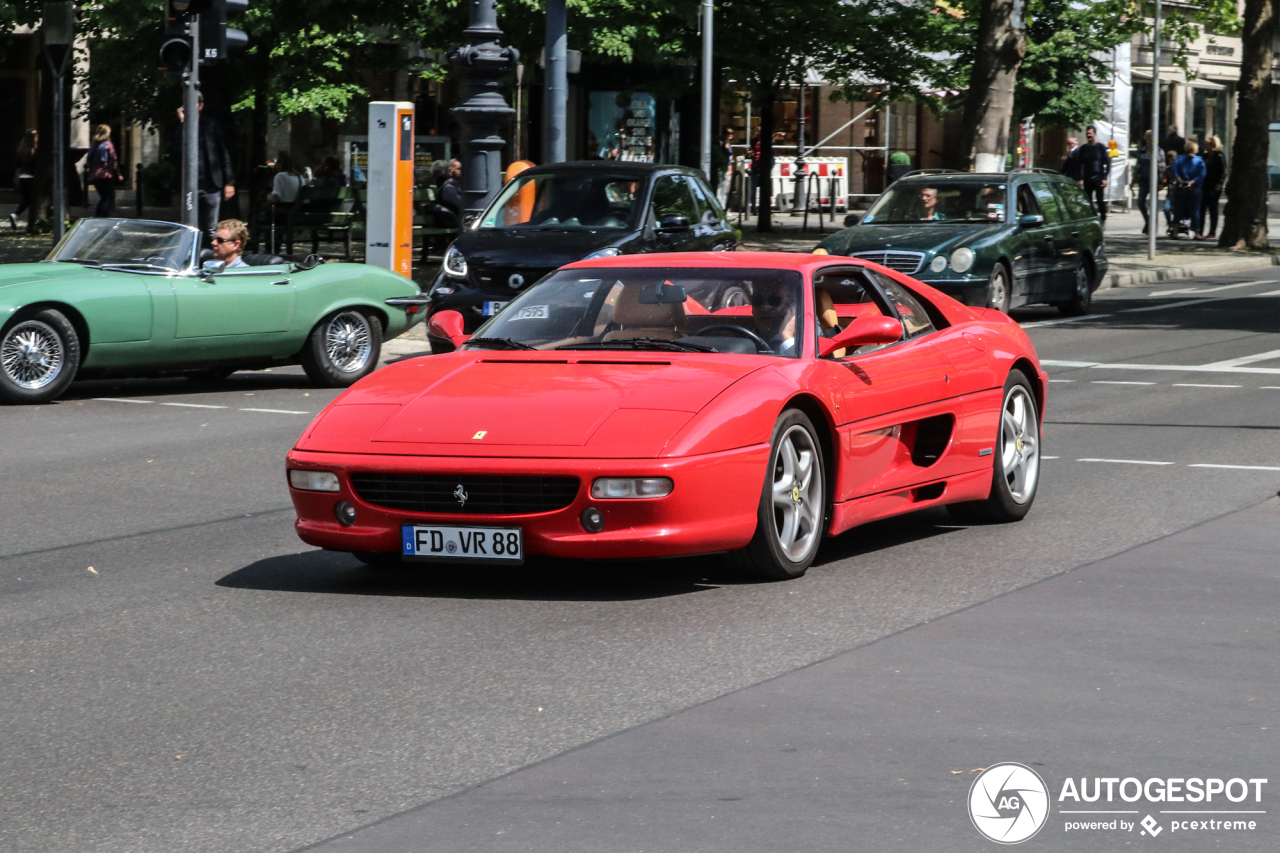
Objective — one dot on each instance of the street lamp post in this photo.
(482, 112)
(1153, 188)
(708, 14)
(58, 26)
(554, 134)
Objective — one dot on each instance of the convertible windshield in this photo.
(668, 309)
(132, 243)
(567, 201)
(918, 201)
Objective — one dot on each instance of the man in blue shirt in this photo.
(1188, 173)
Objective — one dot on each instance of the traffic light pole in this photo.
(191, 131)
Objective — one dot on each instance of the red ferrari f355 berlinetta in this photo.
(748, 403)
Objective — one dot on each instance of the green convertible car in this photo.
(997, 240)
(132, 297)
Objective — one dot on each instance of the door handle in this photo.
(281, 281)
(1075, 233)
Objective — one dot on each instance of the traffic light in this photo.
(175, 46)
(216, 38)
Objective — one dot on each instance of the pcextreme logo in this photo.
(1008, 803)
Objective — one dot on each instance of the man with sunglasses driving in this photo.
(229, 239)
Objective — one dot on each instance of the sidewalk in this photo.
(1126, 247)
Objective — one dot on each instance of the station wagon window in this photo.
(1049, 204)
(1027, 201)
(671, 197)
(1075, 202)
(942, 201)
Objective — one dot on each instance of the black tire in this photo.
(1010, 501)
(379, 559)
(39, 357)
(342, 348)
(767, 557)
(1082, 293)
(999, 289)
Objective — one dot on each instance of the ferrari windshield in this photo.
(944, 201)
(131, 243)
(569, 200)
(745, 311)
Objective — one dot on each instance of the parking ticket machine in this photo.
(389, 195)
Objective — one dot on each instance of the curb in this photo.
(1178, 273)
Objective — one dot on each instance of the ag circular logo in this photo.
(516, 281)
(1008, 803)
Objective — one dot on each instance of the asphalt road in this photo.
(214, 685)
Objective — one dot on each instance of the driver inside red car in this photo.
(775, 316)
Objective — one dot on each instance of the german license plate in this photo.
(462, 544)
(491, 308)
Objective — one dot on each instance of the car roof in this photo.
(726, 260)
(950, 177)
(613, 166)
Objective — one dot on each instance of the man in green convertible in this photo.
(229, 240)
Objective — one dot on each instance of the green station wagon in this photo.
(998, 240)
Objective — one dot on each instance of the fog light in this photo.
(938, 264)
(592, 520)
(345, 512)
(612, 488)
(313, 481)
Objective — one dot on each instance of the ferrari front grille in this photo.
(905, 262)
(466, 494)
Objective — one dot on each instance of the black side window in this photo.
(1074, 200)
(1027, 201)
(671, 196)
(711, 213)
(1049, 204)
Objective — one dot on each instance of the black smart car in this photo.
(549, 216)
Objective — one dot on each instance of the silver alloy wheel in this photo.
(347, 341)
(998, 294)
(797, 494)
(1082, 283)
(32, 354)
(1020, 444)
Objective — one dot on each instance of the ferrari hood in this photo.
(502, 404)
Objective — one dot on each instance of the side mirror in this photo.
(863, 331)
(673, 222)
(1030, 220)
(212, 267)
(447, 325)
(851, 220)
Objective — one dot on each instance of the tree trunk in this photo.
(764, 204)
(988, 108)
(1244, 223)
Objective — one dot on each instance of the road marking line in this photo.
(1062, 380)
(1248, 359)
(1210, 289)
(1193, 368)
(1059, 322)
(1162, 307)
(193, 405)
(1050, 457)
(1117, 382)
(1271, 387)
(1235, 467)
(1269, 293)
(276, 411)
(1200, 385)
(1126, 461)
(121, 400)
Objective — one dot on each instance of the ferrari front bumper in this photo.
(713, 506)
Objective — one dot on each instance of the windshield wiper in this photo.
(79, 261)
(498, 343)
(136, 265)
(641, 343)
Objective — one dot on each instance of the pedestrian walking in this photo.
(1215, 166)
(1071, 165)
(216, 179)
(451, 190)
(1142, 180)
(1173, 142)
(1167, 184)
(103, 167)
(1188, 175)
(24, 178)
(1095, 166)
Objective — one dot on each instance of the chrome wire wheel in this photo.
(32, 355)
(1020, 444)
(347, 341)
(797, 494)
